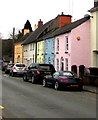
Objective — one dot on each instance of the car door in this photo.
(29, 71)
(52, 78)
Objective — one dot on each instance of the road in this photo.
(27, 100)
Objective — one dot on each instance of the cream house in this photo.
(94, 34)
(29, 53)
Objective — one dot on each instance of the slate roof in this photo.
(65, 29)
(23, 38)
(35, 35)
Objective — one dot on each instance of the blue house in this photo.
(49, 50)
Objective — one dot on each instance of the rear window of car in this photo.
(20, 65)
(10, 64)
(46, 67)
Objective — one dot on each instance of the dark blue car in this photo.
(63, 79)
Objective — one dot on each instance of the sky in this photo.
(15, 13)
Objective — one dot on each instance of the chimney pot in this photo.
(40, 23)
(62, 13)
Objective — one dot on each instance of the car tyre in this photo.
(25, 78)
(9, 73)
(57, 87)
(13, 74)
(44, 83)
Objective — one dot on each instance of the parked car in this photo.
(36, 72)
(18, 69)
(4, 65)
(63, 79)
(9, 67)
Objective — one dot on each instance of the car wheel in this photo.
(13, 74)
(44, 83)
(5, 72)
(9, 73)
(25, 77)
(57, 87)
(32, 79)
(80, 88)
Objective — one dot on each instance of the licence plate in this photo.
(47, 73)
(74, 85)
(20, 68)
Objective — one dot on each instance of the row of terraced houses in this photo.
(65, 44)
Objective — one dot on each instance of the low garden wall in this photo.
(90, 80)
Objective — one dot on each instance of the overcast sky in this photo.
(14, 13)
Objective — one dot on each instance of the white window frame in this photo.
(57, 64)
(66, 43)
(58, 43)
(66, 63)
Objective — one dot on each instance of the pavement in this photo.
(90, 88)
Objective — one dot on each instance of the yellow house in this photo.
(18, 53)
(40, 52)
(18, 48)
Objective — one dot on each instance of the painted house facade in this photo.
(72, 48)
(49, 51)
(29, 53)
(42, 30)
(63, 46)
(94, 34)
(18, 48)
(40, 52)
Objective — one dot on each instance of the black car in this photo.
(63, 79)
(36, 72)
(8, 67)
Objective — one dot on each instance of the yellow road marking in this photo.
(1, 107)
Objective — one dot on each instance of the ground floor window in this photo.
(57, 64)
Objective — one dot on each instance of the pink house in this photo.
(72, 45)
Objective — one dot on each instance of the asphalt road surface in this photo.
(27, 100)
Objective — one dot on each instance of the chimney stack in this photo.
(40, 23)
(64, 19)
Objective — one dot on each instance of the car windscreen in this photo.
(46, 67)
(20, 65)
(67, 74)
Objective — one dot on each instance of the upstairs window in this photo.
(30, 47)
(57, 44)
(66, 43)
(33, 46)
(53, 46)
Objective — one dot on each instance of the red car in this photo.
(4, 65)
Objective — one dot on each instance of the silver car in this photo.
(18, 68)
